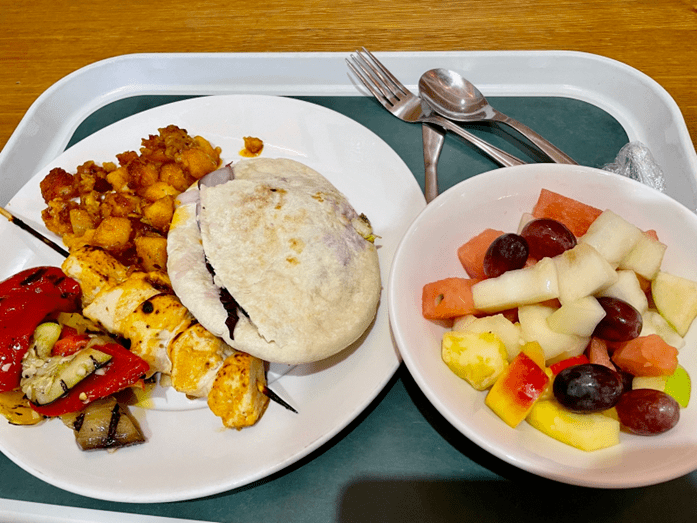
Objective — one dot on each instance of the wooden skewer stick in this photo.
(275, 397)
(36, 234)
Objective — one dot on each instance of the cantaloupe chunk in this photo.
(448, 298)
(471, 254)
(584, 431)
(577, 216)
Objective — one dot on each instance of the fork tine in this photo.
(386, 76)
(368, 73)
(367, 81)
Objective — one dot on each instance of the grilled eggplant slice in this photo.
(104, 424)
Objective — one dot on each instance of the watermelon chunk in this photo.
(576, 215)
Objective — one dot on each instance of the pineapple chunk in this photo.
(584, 431)
(507, 331)
(479, 358)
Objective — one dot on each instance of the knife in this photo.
(433, 138)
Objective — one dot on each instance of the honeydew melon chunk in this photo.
(587, 432)
(645, 258)
(582, 272)
(679, 386)
(627, 288)
(578, 317)
(649, 382)
(507, 331)
(676, 300)
(534, 327)
(654, 323)
(517, 287)
(612, 236)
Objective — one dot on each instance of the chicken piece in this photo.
(236, 396)
(152, 326)
(113, 305)
(95, 270)
(196, 357)
(141, 307)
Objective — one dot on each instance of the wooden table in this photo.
(42, 41)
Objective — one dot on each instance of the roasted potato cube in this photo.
(159, 213)
(158, 190)
(252, 146)
(142, 174)
(197, 161)
(58, 184)
(118, 178)
(113, 233)
(81, 221)
(175, 176)
(121, 204)
(126, 157)
(152, 252)
(206, 146)
(56, 216)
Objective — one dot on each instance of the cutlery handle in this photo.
(433, 138)
(496, 154)
(541, 143)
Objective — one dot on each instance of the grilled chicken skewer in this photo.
(143, 308)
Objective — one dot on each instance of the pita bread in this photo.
(290, 249)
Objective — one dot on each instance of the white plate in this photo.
(497, 199)
(188, 454)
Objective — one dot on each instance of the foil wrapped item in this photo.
(636, 161)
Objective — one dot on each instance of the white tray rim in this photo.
(642, 106)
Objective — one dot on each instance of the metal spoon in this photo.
(452, 96)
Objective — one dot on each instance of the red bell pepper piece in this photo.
(26, 299)
(70, 344)
(123, 370)
(556, 368)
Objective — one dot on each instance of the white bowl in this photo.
(497, 199)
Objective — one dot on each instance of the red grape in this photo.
(588, 387)
(647, 412)
(547, 238)
(622, 322)
(506, 253)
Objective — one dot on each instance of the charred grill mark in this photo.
(35, 276)
(113, 424)
(77, 424)
(163, 288)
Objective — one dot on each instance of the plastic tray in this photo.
(641, 106)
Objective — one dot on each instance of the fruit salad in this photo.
(569, 324)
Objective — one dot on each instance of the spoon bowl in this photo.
(455, 98)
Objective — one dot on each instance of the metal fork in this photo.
(405, 105)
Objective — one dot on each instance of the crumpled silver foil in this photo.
(636, 162)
